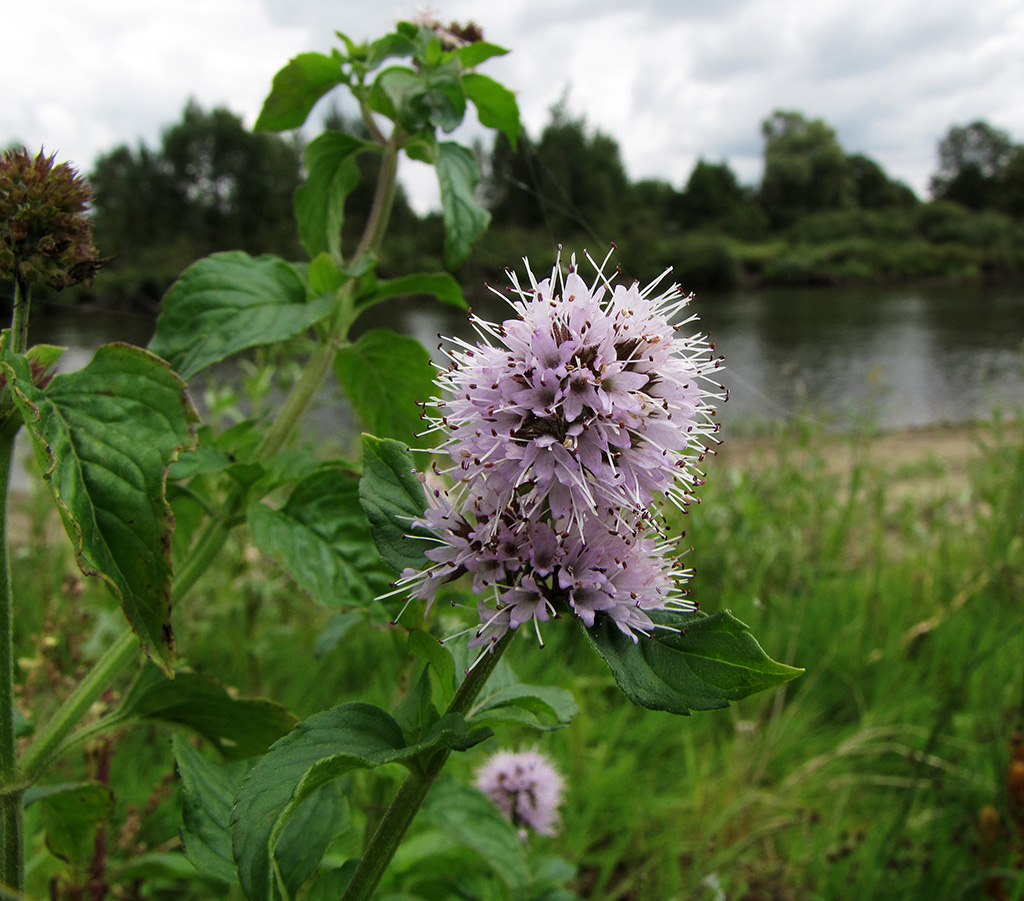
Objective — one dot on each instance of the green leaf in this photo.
(441, 284)
(392, 496)
(391, 45)
(445, 95)
(542, 707)
(473, 54)
(207, 792)
(320, 750)
(464, 219)
(400, 94)
(387, 376)
(331, 883)
(505, 699)
(442, 666)
(321, 537)
(296, 89)
(712, 661)
(71, 816)
(338, 626)
(471, 819)
(313, 826)
(496, 105)
(228, 302)
(104, 437)
(237, 727)
(324, 275)
(320, 200)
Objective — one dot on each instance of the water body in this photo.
(893, 355)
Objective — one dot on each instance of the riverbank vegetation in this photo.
(819, 216)
(885, 771)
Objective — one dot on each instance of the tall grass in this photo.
(881, 773)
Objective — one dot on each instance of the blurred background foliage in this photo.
(820, 215)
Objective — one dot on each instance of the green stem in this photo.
(410, 795)
(19, 317)
(383, 198)
(12, 824)
(301, 396)
(47, 744)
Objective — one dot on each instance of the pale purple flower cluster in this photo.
(524, 786)
(563, 431)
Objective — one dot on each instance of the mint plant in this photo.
(562, 436)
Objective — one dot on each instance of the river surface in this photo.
(893, 356)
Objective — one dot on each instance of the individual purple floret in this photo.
(525, 787)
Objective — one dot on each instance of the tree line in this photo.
(819, 214)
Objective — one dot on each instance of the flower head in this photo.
(525, 787)
(45, 234)
(562, 430)
(589, 400)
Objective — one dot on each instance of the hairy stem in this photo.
(19, 315)
(12, 825)
(383, 198)
(410, 795)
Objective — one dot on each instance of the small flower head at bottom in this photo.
(525, 787)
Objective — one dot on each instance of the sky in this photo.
(671, 80)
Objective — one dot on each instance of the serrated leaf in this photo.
(207, 792)
(296, 89)
(496, 105)
(320, 200)
(714, 660)
(464, 219)
(387, 376)
(229, 302)
(237, 727)
(441, 284)
(321, 537)
(104, 437)
(471, 819)
(321, 749)
(392, 497)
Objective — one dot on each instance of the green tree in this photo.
(212, 185)
(873, 189)
(805, 169)
(711, 196)
(972, 161)
(572, 180)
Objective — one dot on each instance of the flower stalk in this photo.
(12, 826)
(413, 791)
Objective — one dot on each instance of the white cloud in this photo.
(671, 80)
(93, 73)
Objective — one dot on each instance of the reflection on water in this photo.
(898, 356)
